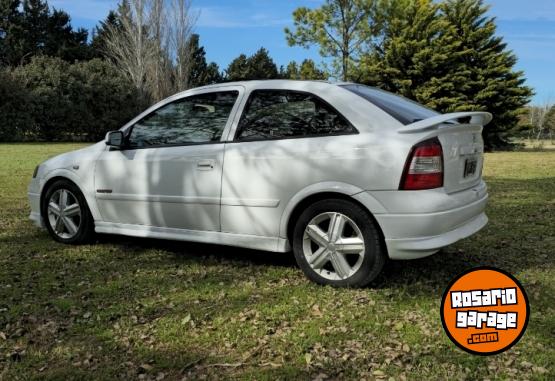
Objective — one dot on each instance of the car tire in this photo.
(76, 225)
(332, 256)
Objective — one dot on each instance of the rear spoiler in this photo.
(478, 118)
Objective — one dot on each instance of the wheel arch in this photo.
(323, 191)
(66, 175)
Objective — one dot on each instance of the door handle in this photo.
(205, 165)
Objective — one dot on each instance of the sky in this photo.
(228, 28)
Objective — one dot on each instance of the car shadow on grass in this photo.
(515, 240)
(200, 251)
(434, 271)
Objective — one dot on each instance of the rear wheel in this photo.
(66, 214)
(336, 242)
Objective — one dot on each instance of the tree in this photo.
(51, 99)
(446, 56)
(550, 125)
(309, 70)
(417, 55)
(35, 23)
(201, 72)
(15, 120)
(150, 44)
(129, 45)
(306, 71)
(181, 34)
(102, 98)
(291, 71)
(492, 84)
(28, 29)
(212, 74)
(261, 66)
(11, 32)
(62, 41)
(160, 68)
(238, 69)
(101, 33)
(258, 66)
(550, 122)
(341, 28)
(541, 120)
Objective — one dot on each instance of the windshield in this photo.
(402, 109)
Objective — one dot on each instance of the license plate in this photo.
(470, 166)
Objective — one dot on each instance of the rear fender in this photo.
(372, 204)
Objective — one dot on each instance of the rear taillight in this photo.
(424, 167)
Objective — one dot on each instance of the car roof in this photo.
(275, 84)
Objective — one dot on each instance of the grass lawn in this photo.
(129, 308)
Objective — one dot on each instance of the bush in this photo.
(15, 121)
(104, 100)
(63, 101)
(47, 81)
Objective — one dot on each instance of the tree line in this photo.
(538, 123)
(58, 83)
(443, 54)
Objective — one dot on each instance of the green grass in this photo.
(128, 308)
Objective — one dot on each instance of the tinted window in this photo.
(274, 114)
(402, 109)
(196, 119)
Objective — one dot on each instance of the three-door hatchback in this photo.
(343, 174)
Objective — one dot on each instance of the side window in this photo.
(275, 114)
(196, 119)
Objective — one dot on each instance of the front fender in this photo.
(80, 182)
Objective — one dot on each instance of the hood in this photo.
(78, 157)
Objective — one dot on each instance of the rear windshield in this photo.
(402, 109)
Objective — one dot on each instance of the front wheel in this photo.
(336, 242)
(66, 214)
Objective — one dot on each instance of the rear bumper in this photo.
(413, 248)
(423, 231)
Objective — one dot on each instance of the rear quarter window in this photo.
(282, 114)
(402, 109)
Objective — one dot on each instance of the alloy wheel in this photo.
(333, 246)
(64, 213)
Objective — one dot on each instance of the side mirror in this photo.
(114, 139)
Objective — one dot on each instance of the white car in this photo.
(343, 174)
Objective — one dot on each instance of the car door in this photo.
(285, 141)
(169, 173)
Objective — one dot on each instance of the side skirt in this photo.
(274, 244)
